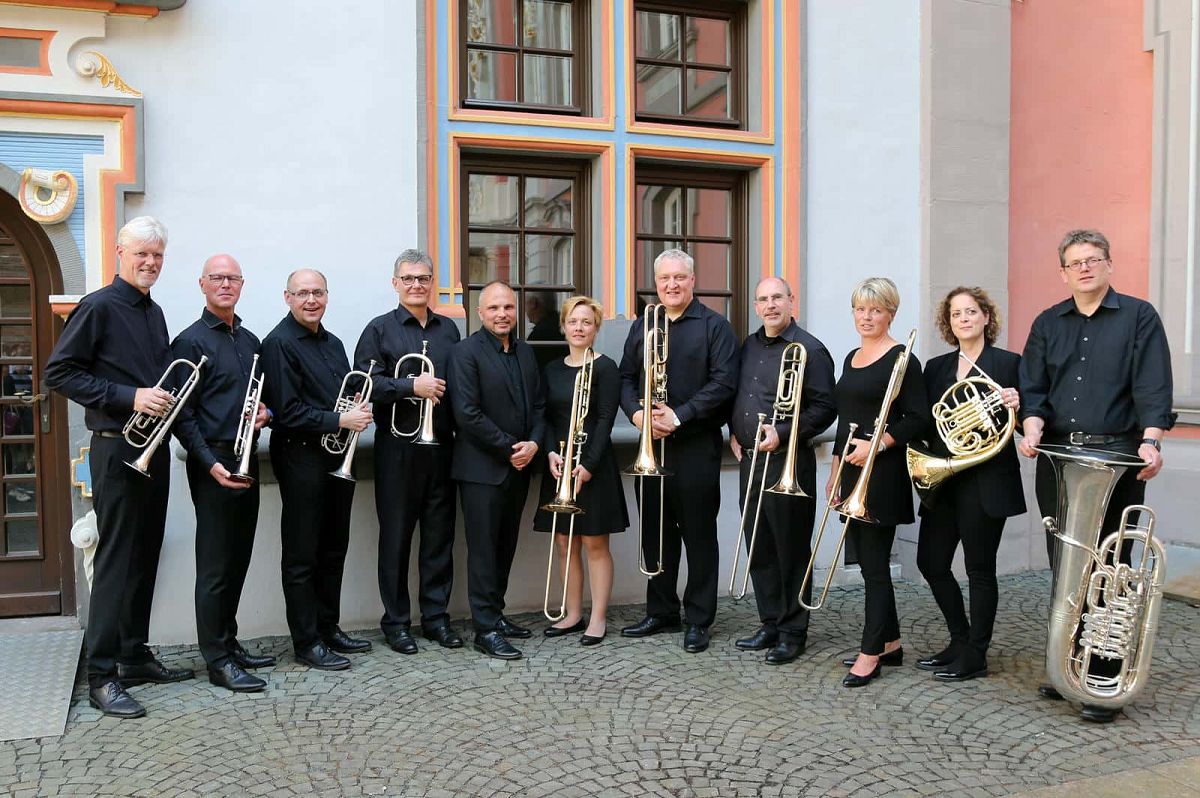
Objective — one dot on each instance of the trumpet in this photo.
(345, 441)
(423, 432)
(787, 403)
(655, 342)
(568, 486)
(144, 431)
(243, 447)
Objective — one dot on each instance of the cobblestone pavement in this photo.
(631, 717)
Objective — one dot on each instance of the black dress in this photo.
(602, 497)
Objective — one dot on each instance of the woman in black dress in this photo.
(972, 506)
(600, 493)
(889, 500)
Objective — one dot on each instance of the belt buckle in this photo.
(1077, 439)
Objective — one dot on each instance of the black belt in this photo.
(1093, 439)
(103, 433)
(222, 444)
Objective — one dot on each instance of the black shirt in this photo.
(758, 376)
(702, 365)
(385, 340)
(1104, 374)
(215, 410)
(303, 372)
(512, 368)
(115, 342)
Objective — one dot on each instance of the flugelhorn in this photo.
(656, 330)
(345, 441)
(568, 485)
(146, 432)
(968, 420)
(423, 432)
(243, 446)
(830, 503)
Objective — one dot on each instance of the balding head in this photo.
(498, 309)
(307, 296)
(773, 304)
(221, 283)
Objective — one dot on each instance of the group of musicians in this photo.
(1095, 372)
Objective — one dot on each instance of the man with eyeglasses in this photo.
(1096, 372)
(226, 508)
(303, 367)
(412, 479)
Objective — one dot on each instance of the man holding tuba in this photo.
(781, 545)
(305, 374)
(114, 346)
(412, 474)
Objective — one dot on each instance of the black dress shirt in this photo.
(512, 368)
(115, 342)
(304, 372)
(215, 410)
(385, 340)
(758, 376)
(1104, 374)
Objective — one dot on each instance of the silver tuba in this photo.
(1102, 608)
(146, 432)
(345, 441)
(422, 433)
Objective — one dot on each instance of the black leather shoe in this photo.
(402, 642)
(961, 672)
(510, 629)
(695, 639)
(939, 661)
(247, 660)
(560, 631)
(651, 625)
(494, 645)
(1095, 714)
(763, 638)
(232, 677)
(111, 699)
(890, 658)
(321, 658)
(592, 640)
(444, 635)
(854, 680)
(343, 643)
(151, 671)
(1049, 691)
(785, 651)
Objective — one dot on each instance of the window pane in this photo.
(14, 301)
(718, 303)
(17, 379)
(548, 202)
(549, 260)
(707, 40)
(658, 90)
(18, 420)
(18, 458)
(15, 341)
(22, 536)
(20, 497)
(547, 24)
(541, 314)
(657, 35)
(492, 256)
(547, 80)
(709, 212)
(707, 94)
(473, 323)
(11, 262)
(647, 251)
(713, 267)
(493, 21)
(491, 76)
(493, 200)
(660, 209)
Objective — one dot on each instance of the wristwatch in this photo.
(1157, 444)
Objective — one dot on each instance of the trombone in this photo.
(655, 341)
(243, 447)
(144, 431)
(423, 432)
(345, 441)
(789, 386)
(568, 486)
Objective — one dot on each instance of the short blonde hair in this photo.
(877, 291)
(574, 302)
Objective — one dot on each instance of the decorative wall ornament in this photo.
(94, 65)
(47, 196)
(81, 472)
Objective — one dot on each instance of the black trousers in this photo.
(492, 521)
(412, 483)
(959, 517)
(131, 511)
(225, 522)
(783, 546)
(692, 499)
(874, 545)
(314, 533)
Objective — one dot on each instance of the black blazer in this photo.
(998, 479)
(487, 408)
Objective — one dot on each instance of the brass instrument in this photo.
(967, 418)
(144, 431)
(568, 485)
(243, 447)
(345, 441)
(1102, 609)
(423, 432)
(789, 385)
(830, 503)
(655, 341)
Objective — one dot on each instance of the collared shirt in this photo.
(214, 412)
(511, 366)
(303, 372)
(702, 365)
(385, 340)
(758, 378)
(1106, 374)
(115, 342)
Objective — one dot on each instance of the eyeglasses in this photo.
(232, 279)
(1091, 263)
(409, 279)
(316, 293)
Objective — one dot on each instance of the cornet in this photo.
(655, 341)
(423, 432)
(345, 441)
(243, 447)
(144, 431)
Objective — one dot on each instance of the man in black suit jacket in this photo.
(496, 396)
